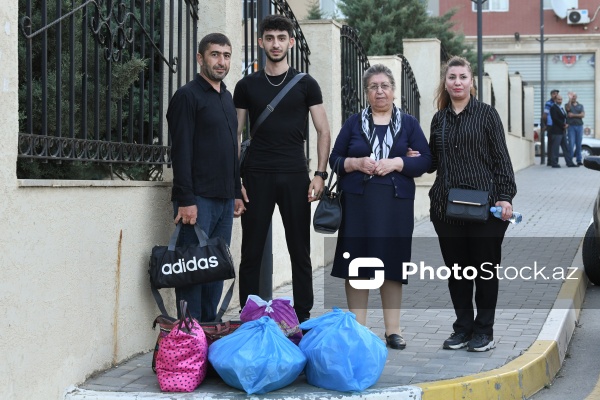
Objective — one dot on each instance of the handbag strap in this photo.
(334, 170)
(271, 106)
(446, 180)
(186, 318)
(222, 309)
(202, 236)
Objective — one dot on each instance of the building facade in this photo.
(511, 32)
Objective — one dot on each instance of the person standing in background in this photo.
(558, 133)
(546, 124)
(575, 115)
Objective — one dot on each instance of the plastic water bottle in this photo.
(515, 219)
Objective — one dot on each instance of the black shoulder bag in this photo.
(261, 118)
(467, 205)
(328, 215)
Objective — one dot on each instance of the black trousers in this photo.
(290, 192)
(473, 244)
(549, 149)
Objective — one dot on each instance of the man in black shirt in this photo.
(275, 170)
(206, 179)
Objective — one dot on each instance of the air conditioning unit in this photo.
(576, 17)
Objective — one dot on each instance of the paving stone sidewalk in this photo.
(556, 205)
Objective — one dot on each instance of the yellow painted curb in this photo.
(518, 379)
(574, 289)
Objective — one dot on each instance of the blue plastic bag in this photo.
(341, 354)
(257, 357)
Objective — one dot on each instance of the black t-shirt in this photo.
(278, 144)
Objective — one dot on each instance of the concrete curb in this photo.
(537, 367)
(395, 393)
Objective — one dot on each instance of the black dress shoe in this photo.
(572, 165)
(556, 166)
(395, 341)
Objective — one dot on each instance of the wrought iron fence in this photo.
(298, 56)
(410, 98)
(93, 77)
(354, 63)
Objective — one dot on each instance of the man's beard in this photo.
(212, 75)
(275, 60)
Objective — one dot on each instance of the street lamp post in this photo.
(479, 49)
(542, 123)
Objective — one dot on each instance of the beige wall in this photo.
(516, 105)
(300, 8)
(498, 71)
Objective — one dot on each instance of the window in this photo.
(565, 3)
(492, 5)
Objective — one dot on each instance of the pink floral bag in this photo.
(281, 310)
(182, 356)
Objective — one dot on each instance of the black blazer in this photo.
(559, 119)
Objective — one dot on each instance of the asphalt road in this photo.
(579, 377)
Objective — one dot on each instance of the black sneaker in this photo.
(457, 340)
(481, 342)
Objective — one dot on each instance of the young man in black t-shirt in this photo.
(275, 170)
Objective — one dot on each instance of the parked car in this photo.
(589, 146)
(591, 241)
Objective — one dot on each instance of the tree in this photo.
(382, 24)
(314, 10)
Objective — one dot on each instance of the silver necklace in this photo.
(272, 84)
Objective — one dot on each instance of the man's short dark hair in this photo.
(554, 91)
(276, 22)
(213, 38)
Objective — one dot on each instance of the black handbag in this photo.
(328, 215)
(467, 205)
(208, 261)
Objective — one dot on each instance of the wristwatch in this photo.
(323, 175)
